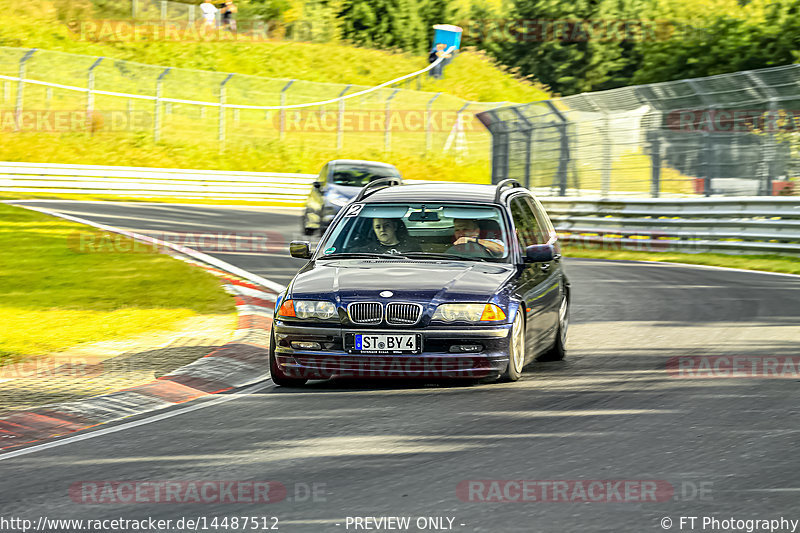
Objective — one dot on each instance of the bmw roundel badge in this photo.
(387, 294)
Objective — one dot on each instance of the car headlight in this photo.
(305, 309)
(338, 199)
(469, 313)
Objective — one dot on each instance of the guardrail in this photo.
(724, 225)
(155, 182)
(727, 225)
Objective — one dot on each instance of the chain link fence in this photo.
(731, 134)
(54, 91)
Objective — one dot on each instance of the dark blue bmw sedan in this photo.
(439, 280)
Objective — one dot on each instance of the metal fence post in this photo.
(655, 168)
(607, 159)
(428, 133)
(340, 121)
(90, 92)
(387, 134)
(192, 14)
(527, 131)
(21, 88)
(157, 117)
(221, 135)
(283, 111)
(163, 10)
(564, 155)
(48, 96)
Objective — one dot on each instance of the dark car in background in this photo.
(338, 182)
(436, 280)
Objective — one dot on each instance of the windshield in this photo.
(360, 175)
(464, 232)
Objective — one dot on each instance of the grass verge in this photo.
(767, 263)
(56, 296)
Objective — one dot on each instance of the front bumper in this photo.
(435, 361)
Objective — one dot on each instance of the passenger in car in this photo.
(389, 234)
(467, 231)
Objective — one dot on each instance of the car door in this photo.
(533, 278)
(552, 286)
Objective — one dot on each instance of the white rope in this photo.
(229, 106)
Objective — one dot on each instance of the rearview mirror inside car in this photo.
(300, 249)
(539, 253)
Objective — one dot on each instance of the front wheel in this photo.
(516, 350)
(277, 375)
(558, 351)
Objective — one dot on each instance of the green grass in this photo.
(265, 156)
(767, 263)
(472, 75)
(189, 135)
(62, 288)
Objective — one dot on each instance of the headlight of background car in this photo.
(469, 313)
(338, 199)
(308, 309)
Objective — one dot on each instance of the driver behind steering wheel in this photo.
(467, 232)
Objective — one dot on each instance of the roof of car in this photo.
(361, 163)
(436, 192)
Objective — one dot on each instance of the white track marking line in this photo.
(136, 423)
(205, 258)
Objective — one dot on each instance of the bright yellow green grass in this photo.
(767, 263)
(271, 156)
(55, 297)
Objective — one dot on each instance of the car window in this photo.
(546, 226)
(468, 231)
(358, 176)
(527, 227)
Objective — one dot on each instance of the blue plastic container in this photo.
(448, 34)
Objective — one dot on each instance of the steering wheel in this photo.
(474, 249)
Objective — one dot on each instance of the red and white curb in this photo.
(241, 362)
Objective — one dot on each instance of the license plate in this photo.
(386, 343)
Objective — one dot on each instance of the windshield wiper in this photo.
(360, 255)
(442, 256)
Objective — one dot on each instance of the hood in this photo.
(423, 282)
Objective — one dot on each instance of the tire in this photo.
(304, 225)
(278, 377)
(558, 351)
(516, 350)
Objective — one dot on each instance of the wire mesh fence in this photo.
(731, 134)
(54, 91)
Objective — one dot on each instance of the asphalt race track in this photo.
(727, 447)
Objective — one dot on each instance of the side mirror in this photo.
(539, 253)
(317, 185)
(300, 249)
